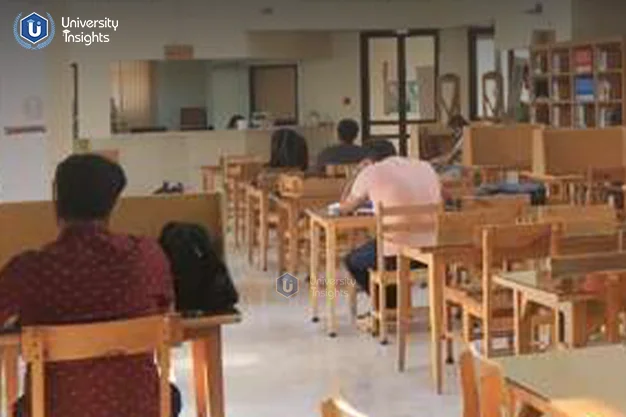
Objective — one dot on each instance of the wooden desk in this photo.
(320, 221)
(568, 383)
(436, 251)
(560, 188)
(559, 293)
(205, 335)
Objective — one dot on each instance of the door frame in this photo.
(473, 33)
(402, 122)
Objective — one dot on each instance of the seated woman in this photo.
(89, 274)
(447, 165)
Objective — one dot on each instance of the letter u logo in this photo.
(287, 286)
(31, 29)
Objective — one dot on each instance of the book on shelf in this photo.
(556, 116)
(583, 60)
(603, 60)
(584, 89)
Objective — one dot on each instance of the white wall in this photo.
(325, 83)
(27, 161)
(593, 19)
(454, 58)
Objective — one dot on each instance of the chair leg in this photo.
(382, 308)
(447, 323)
(374, 289)
(467, 327)
(352, 301)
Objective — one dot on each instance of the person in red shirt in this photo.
(89, 274)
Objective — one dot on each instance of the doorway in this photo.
(399, 70)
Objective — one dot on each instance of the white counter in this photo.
(151, 158)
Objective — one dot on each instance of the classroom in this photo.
(331, 208)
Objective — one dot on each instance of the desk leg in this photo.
(264, 229)
(436, 277)
(612, 309)
(198, 350)
(404, 265)
(10, 357)
(576, 324)
(210, 366)
(331, 285)
(281, 242)
(523, 313)
(292, 219)
(249, 215)
(314, 272)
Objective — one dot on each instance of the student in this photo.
(392, 181)
(444, 163)
(233, 122)
(345, 152)
(88, 274)
(288, 150)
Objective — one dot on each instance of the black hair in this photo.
(347, 130)
(87, 187)
(233, 121)
(288, 150)
(377, 150)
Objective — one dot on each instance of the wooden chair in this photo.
(338, 407)
(405, 219)
(483, 392)
(499, 245)
(41, 345)
(238, 170)
(601, 184)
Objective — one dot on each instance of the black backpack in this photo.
(202, 282)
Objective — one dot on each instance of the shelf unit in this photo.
(579, 84)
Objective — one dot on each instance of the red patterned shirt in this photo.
(90, 275)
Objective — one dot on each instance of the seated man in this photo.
(86, 275)
(346, 152)
(448, 163)
(394, 181)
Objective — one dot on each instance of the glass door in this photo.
(399, 76)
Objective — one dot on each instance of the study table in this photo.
(560, 293)
(568, 383)
(205, 335)
(332, 226)
(436, 251)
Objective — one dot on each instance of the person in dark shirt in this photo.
(88, 274)
(345, 152)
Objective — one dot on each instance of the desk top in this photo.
(563, 287)
(322, 216)
(192, 328)
(579, 383)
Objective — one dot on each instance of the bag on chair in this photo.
(202, 282)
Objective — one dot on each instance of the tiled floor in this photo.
(279, 363)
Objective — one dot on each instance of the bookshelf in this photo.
(579, 84)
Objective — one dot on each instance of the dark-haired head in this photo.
(457, 122)
(347, 131)
(233, 122)
(86, 188)
(288, 150)
(377, 150)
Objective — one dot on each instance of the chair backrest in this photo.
(299, 186)
(483, 392)
(44, 344)
(341, 170)
(577, 219)
(416, 218)
(508, 202)
(591, 263)
(464, 226)
(338, 407)
(513, 243)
